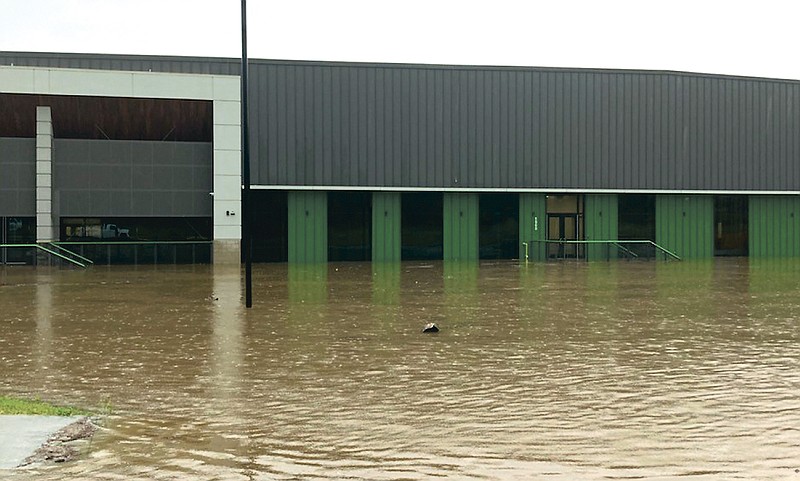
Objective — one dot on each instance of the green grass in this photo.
(12, 405)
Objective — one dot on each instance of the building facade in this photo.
(386, 162)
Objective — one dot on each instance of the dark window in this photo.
(349, 226)
(499, 226)
(139, 240)
(637, 221)
(17, 230)
(730, 225)
(270, 225)
(422, 229)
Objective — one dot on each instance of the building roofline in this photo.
(391, 65)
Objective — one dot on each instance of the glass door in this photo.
(730, 225)
(562, 227)
(564, 223)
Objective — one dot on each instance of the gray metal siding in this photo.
(132, 178)
(17, 177)
(484, 128)
(317, 123)
(135, 63)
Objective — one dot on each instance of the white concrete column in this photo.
(45, 226)
(227, 171)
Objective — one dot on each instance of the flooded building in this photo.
(137, 159)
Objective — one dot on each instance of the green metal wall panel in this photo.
(685, 225)
(774, 226)
(308, 226)
(532, 225)
(601, 222)
(386, 227)
(460, 217)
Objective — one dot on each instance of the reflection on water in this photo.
(643, 370)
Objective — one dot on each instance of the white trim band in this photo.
(539, 190)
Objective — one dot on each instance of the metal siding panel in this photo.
(601, 122)
(294, 127)
(498, 127)
(616, 140)
(559, 105)
(626, 169)
(483, 132)
(460, 212)
(386, 227)
(255, 118)
(343, 165)
(782, 138)
(419, 171)
(792, 125)
(428, 129)
(670, 164)
(501, 169)
(358, 138)
(402, 126)
(307, 227)
(532, 219)
(369, 156)
(582, 166)
(550, 175)
(660, 154)
(395, 119)
(538, 173)
(774, 226)
(441, 90)
(525, 131)
(306, 139)
(601, 219)
(456, 130)
(684, 225)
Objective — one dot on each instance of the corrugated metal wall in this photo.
(506, 128)
(316, 123)
(774, 226)
(532, 225)
(460, 226)
(17, 177)
(601, 222)
(136, 63)
(685, 225)
(386, 226)
(308, 227)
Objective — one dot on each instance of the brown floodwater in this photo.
(645, 370)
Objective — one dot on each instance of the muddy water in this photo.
(559, 371)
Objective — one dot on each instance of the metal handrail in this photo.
(615, 242)
(45, 249)
(74, 254)
(625, 250)
(118, 243)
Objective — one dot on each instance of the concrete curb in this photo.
(22, 435)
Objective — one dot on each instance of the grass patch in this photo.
(12, 405)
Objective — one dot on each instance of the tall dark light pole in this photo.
(247, 239)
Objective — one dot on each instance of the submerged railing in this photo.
(143, 252)
(619, 244)
(84, 254)
(55, 251)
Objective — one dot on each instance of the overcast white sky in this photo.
(760, 38)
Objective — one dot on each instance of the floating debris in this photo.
(430, 327)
